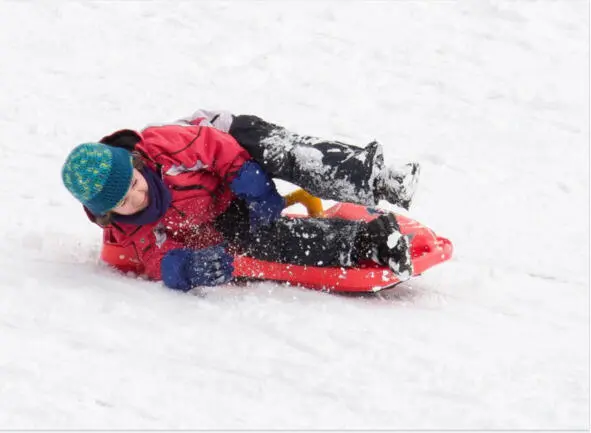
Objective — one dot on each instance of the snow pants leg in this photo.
(298, 241)
(328, 169)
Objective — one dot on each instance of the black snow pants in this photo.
(298, 241)
(327, 169)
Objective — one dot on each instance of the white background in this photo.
(491, 97)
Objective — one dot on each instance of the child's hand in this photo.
(183, 269)
(254, 186)
(265, 210)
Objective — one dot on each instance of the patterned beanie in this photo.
(98, 175)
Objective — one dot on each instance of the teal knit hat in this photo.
(98, 175)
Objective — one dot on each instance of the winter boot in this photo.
(398, 185)
(380, 240)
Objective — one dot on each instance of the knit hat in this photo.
(98, 175)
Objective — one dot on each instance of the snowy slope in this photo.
(491, 97)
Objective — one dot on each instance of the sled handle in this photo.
(312, 204)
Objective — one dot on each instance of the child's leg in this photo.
(302, 241)
(320, 241)
(331, 170)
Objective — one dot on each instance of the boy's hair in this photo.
(137, 163)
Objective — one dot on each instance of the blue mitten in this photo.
(254, 186)
(183, 269)
(264, 210)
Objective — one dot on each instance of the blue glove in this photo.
(183, 269)
(263, 211)
(254, 186)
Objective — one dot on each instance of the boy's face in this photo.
(137, 197)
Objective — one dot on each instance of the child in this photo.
(187, 196)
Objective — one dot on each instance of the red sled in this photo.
(427, 250)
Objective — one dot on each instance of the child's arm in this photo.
(192, 148)
(182, 268)
(202, 148)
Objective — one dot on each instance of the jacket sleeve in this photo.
(150, 244)
(194, 148)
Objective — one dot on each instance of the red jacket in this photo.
(197, 164)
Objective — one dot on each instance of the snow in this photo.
(491, 97)
(393, 239)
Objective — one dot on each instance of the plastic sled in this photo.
(427, 250)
